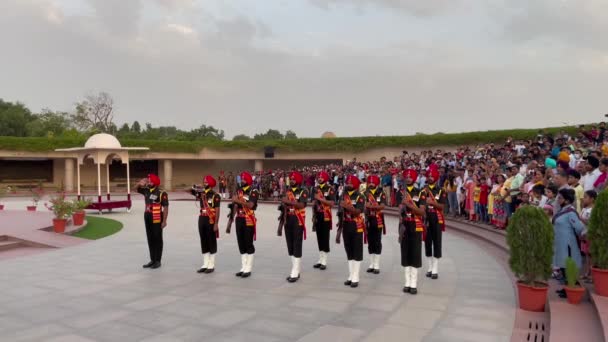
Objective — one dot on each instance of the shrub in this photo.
(80, 205)
(571, 272)
(598, 231)
(530, 240)
(60, 207)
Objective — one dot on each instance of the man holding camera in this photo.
(155, 216)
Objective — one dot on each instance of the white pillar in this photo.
(259, 165)
(108, 176)
(128, 180)
(99, 180)
(68, 179)
(78, 176)
(168, 174)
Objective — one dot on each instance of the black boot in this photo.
(413, 290)
(428, 274)
(148, 265)
(435, 276)
(155, 265)
(348, 283)
(406, 289)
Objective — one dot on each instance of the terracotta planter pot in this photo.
(78, 218)
(575, 294)
(532, 298)
(31, 207)
(600, 281)
(59, 225)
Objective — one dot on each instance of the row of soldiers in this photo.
(360, 220)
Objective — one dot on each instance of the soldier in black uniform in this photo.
(244, 204)
(410, 231)
(155, 216)
(208, 219)
(436, 200)
(295, 224)
(352, 205)
(375, 201)
(324, 199)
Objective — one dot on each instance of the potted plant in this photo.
(79, 206)
(62, 210)
(598, 243)
(574, 291)
(530, 240)
(36, 195)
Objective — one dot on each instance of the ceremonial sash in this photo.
(249, 215)
(439, 213)
(411, 217)
(325, 208)
(209, 212)
(377, 213)
(359, 221)
(299, 213)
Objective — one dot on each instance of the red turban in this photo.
(211, 181)
(434, 173)
(154, 179)
(410, 173)
(246, 178)
(297, 177)
(354, 181)
(324, 176)
(374, 179)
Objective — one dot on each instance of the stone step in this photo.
(9, 244)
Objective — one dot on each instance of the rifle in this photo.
(282, 219)
(231, 214)
(340, 223)
(314, 211)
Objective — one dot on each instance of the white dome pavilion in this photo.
(103, 140)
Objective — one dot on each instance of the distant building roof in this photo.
(328, 135)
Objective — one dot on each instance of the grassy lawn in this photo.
(98, 228)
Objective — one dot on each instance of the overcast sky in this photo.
(399, 66)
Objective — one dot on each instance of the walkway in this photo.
(99, 292)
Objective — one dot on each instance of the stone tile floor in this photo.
(98, 291)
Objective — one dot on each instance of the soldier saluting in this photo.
(155, 216)
(208, 219)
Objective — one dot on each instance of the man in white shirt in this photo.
(592, 173)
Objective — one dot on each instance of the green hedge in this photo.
(296, 145)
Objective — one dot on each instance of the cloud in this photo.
(420, 8)
(118, 16)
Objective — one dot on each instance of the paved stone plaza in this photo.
(98, 291)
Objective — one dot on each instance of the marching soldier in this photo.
(244, 204)
(352, 205)
(410, 230)
(375, 203)
(155, 216)
(324, 199)
(436, 200)
(295, 222)
(208, 219)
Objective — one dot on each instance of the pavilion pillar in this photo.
(68, 178)
(167, 182)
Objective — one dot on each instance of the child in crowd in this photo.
(476, 195)
(588, 203)
(484, 192)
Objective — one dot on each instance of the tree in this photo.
(241, 137)
(124, 129)
(49, 124)
(13, 119)
(290, 135)
(135, 128)
(95, 113)
(271, 134)
(207, 132)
